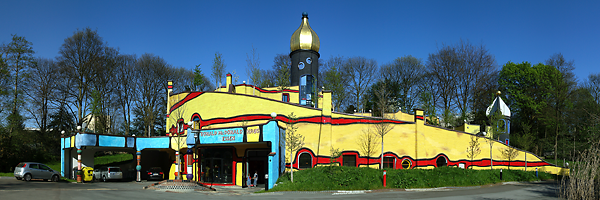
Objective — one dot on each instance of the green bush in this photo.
(351, 178)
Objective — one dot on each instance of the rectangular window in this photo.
(349, 160)
(388, 162)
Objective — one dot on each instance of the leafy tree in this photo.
(282, 68)
(218, 68)
(19, 58)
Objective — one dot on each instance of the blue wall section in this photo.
(85, 140)
(67, 143)
(130, 142)
(111, 141)
(271, 134)
(158, 143)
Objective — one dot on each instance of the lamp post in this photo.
(78, 157)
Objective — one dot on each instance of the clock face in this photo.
(301, 65)
(308, 60)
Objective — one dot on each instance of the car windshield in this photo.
(21, 165)
(114, 169)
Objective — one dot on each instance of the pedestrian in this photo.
(248, 180)
(255, 178)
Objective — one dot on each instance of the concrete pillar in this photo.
(177, 165)
(138, 167)
(190, 162)
(79, 166)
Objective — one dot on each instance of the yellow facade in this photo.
(410, 141)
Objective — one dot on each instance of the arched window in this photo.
(305, 161)
(441, 161)
(406, 164)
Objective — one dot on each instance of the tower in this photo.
(304, 46)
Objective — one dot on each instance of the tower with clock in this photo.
(304, 46)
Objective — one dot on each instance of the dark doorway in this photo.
(257, 163)
(216, 165)
(441, 161)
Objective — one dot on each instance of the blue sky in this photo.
(187, 33)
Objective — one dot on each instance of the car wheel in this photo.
(27, 177)
(103, 178)
(55, 178)
(93, 178)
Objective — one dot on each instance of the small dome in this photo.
(304, 37)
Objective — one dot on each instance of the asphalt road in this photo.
(11, 188)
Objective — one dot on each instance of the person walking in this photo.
(255, 178)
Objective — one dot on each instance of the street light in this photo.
(190, 123)
(273, 115)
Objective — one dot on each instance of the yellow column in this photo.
(325, 137)
(419, 126)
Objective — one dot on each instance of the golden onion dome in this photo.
(304, 37)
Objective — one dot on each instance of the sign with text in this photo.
(253, 134)
(220, 136)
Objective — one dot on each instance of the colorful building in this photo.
(238, 130)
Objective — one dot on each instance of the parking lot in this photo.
(11, 188)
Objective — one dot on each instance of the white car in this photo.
(108, 173)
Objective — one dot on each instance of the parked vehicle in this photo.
(155, 173)
(108, 173)
(32, 170)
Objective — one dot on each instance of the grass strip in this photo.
(352, 178)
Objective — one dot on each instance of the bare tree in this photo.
(593, 86)
(442, 67)
(408, 73)
(509, 154)
(474, 71)
(126, 79)
(151, 80)
(218, 68)
(253, 67)
(367, 142)
(361, 73)
(561, 88)
(382, 128)
(41, 86)
(293, 140)
(80, 55)
(473, 150)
